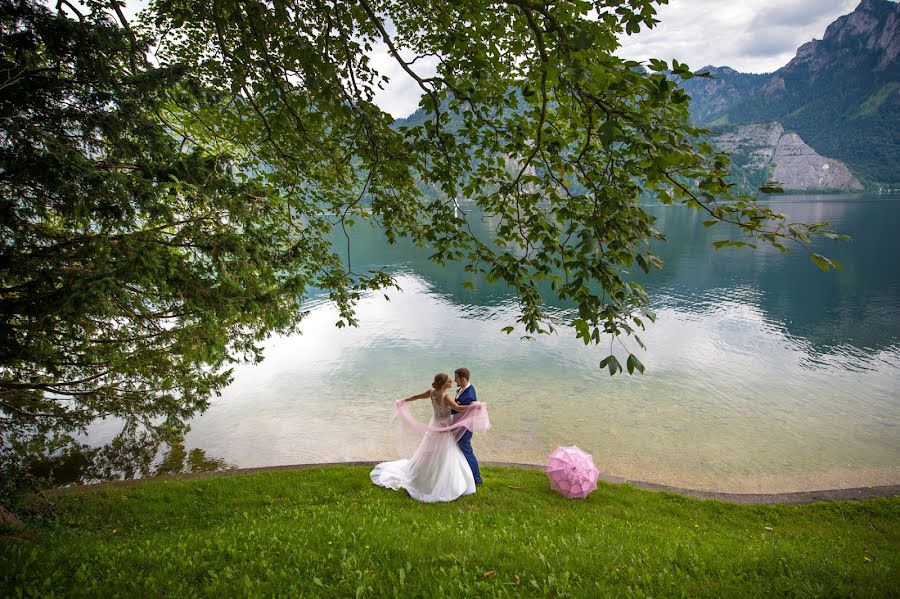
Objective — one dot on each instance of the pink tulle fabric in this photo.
(474, 419)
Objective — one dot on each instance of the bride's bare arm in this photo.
(422, 395)
(452, 403)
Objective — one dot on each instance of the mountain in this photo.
(712, 98)
(841, 94)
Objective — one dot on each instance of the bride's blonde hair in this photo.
(440, 379)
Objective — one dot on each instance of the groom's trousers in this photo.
(465, 444)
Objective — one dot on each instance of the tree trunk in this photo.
(7, 518)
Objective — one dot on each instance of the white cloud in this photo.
(754, 37)
(400, 97)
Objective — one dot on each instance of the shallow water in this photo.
(763, 374)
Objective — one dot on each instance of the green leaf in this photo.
(612, 364)
(633, 363)
(824, 263)
(583, 40)
(582, 330)
(771, 187)
(639, 342)
(729, 243)
(642, 262)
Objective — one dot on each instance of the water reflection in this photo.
(177, 460)
(763, 373)
(857, 305)
(111, 455)
(730, 401)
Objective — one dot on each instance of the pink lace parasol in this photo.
(572, 472)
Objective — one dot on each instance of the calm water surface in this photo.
(763, 372)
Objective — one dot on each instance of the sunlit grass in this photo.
(330, 532)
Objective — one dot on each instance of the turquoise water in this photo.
(763, 372)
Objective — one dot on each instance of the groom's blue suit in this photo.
(465, 442)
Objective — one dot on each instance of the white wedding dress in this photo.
(438, 470)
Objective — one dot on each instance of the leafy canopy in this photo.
(168, 189)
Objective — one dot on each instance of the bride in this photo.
(438, 470)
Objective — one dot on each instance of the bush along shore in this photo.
(328, 531)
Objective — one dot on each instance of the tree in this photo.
(165, 211)
(136, 266)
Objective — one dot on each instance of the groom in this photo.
(465, 394)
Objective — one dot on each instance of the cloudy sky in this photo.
(757, 36)
(754, 36)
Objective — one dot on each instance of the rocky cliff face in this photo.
(767, 146)
(873, 27)
(867, 37)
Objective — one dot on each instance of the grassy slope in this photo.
(330, 532)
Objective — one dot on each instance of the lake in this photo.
(763, 373)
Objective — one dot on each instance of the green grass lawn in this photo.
(330, 532)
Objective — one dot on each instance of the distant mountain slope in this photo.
(713, 98)
(841, 94)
